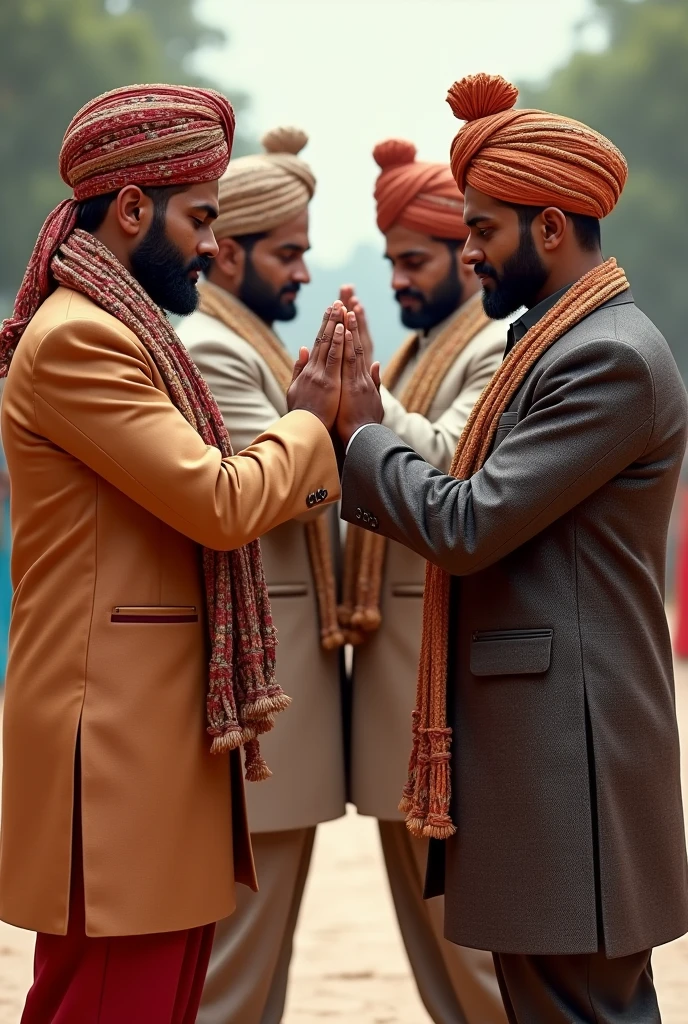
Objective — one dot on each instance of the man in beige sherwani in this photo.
(262, 234)
(432, 384)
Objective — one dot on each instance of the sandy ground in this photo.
(350, 966)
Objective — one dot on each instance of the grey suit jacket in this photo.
(566, 776)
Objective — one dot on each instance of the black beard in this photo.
(158, 265)
(522, 278)
(442, 302)
(262, 299)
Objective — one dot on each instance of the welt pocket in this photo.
(511, 652)
(287, 590)
(154, 614)
(508, 420)
(408, 590)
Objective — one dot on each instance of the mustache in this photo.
(293, 286)
(409, 293)
(487, 270)
(201, 263)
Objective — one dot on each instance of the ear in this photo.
(230, 260)
(551, 226)
(133, 211)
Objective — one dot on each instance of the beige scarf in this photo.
(364, 557)
(237, 317)
(427, 794)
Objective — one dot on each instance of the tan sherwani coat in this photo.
(112, 494)
(385, 666)
(306, 754)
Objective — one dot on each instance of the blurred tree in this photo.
(635, 92)
(58, 54)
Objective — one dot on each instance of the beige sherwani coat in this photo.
(112, 494)
(385, 666)
(306, 754)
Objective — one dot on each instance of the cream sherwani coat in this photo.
(385, 666)
(113, 492)
(306, 754)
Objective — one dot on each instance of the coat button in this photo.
(310, 500)
(366, 517)
(359, 513)
(374, 522)
(322, 493)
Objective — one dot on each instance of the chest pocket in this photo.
(507, 422)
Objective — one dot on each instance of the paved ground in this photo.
(350, 967)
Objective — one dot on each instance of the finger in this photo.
(335, 317)
(352, 324)
(375, 374)
(349, 356)
(346, 294)
(304, 356)
(323, 324)
(333, 368)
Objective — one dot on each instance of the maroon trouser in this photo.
(138, 979)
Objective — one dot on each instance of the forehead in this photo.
(202, 193)
(478, 206)
(400, 240)
(293, 232)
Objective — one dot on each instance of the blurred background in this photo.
(351, 72)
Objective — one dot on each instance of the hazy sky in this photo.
(352, 72)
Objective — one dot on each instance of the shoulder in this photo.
(210, 342)
(69, 326)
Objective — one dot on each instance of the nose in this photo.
(400, 280)
(208, 245)
(301, 273)
(472, 253)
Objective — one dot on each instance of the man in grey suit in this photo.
(569, 859)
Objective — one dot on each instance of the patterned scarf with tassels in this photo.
(243, 696)
(235, 315)
(427, 794)
(364, 555)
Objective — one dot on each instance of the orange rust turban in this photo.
(146, 135)
(531, 157)
(419, 196)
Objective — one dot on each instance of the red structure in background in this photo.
(681, 630)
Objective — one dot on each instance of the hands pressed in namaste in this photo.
(333, 381)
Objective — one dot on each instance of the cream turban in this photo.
(262, 191)
(528, 156)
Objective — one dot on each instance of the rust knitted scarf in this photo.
(364, 556)
(238, 318)
(243, 696)
(427, 794)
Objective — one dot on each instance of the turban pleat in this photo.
(419, 196)
(260, 192)
(531, 157)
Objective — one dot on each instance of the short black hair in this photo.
(453, 244)
(248, 241)
(587, 229)
(92, 212)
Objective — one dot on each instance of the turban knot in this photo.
(419, 196)
(530, 157)
(260, 192)
(145, 135)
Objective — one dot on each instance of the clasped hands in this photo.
(332, 381)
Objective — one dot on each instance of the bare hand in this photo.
(317, 382)
(347, 295)
(360, 401)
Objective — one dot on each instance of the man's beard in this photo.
(522, 278)
(442, 302)
(262, 299)
(158, 265)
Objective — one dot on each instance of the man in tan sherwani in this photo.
(142, 650)
(433, 381)
(262, 234)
